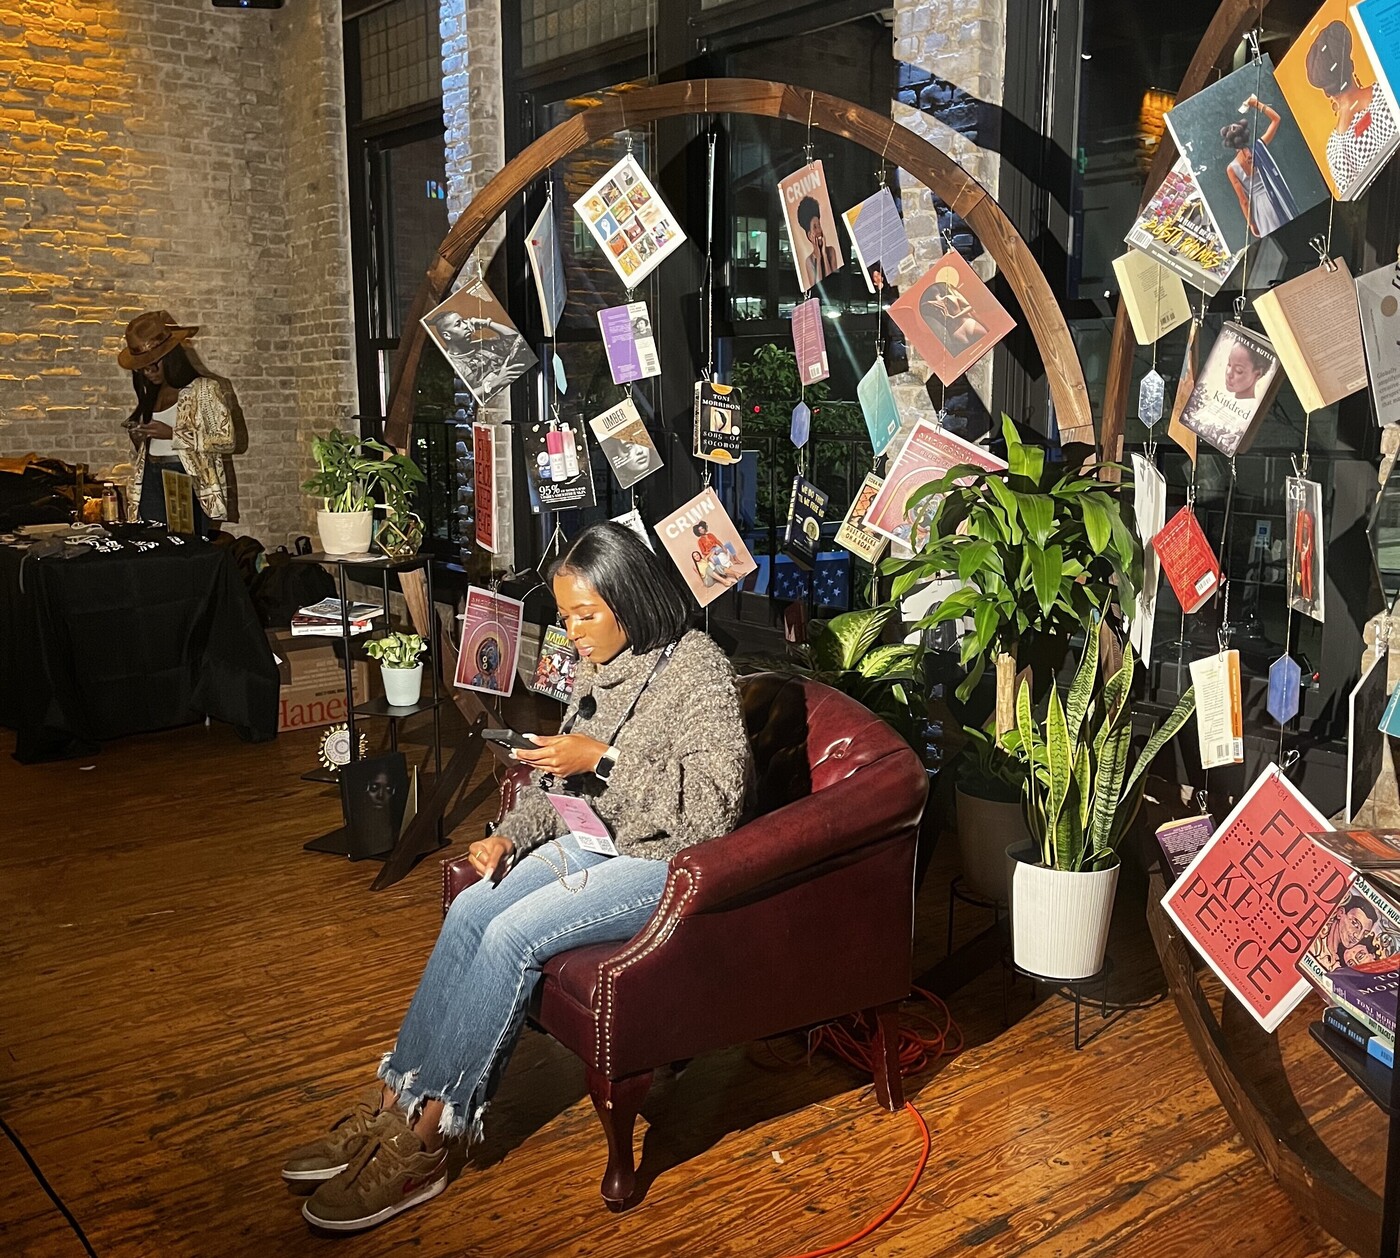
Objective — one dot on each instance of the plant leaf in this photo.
(1037, 514)
(1097, 525)
(1046, 574)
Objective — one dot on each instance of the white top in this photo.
(164, 449)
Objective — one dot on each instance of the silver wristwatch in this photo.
(607, 762)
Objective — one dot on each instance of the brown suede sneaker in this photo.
(332, 1153)
(392, 1173)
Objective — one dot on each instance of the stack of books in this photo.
(323, 619)
(1355, 960)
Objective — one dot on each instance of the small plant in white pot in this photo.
(400, 663)
(1080, 800)
(347, 470)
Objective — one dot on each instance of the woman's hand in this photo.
(563, 754)
(485, 854)
(155, 429)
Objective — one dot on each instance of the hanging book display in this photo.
(486, 497)
(1188, 561)
(556, 460)
(1248, 156)
(1155, 297)
(1330, 84)
(1355, 960)
(1365, 742)
(1175, 231)
(1314, 327)
(877, 405)
(811, 226)
(625, 443)
(633, 520)
(1181, 840)
(479, 341)
(490, 643)
(927, 453)
(809, 341)
(1378, 28)
(863, 542)
(705, 546)
(629, 343)
(950, 316)
(1176, 430)
(1248, 901)
(802, 534)
(717, 423)
(547, 267)
(1378, 296)
(1234, 390)
(1150, 512)
(880, 241)
(1219, 709)
(1306, 545)
(630, 221)
(557, 666)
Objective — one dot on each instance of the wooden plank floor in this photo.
(186, 994)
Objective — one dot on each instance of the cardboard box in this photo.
(312, 690)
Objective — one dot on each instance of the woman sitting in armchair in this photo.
(654, 740)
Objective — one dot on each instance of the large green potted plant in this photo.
(1080, 799)
(347, 470)
(1042, 549)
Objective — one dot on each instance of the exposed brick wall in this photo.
(955, 54)
(170, 154)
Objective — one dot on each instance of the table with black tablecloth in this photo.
(96, 646)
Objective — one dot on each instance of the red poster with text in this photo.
(1256, 895)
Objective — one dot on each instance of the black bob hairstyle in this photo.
(637, 587)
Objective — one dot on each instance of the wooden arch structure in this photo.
(760, 98)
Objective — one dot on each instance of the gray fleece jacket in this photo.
(683, 757)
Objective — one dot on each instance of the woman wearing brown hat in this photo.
(181, 422)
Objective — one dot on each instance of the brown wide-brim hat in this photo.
(151, 336)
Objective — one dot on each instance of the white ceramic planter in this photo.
(402, 686)
(985, 827)
(1059, 920)
(345, 532)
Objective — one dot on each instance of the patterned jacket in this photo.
(201, 435)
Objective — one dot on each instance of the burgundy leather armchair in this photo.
(802, 914)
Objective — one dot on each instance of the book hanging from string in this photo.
(880, 241)
(1185, 385)
(718, 424)
(482, 346)
(547, 268)
(1219, 709)
(631, 223)
(490, 451)
(1378, 297)
(625, 442)
(556, 667)
(705, 546)
(877, 406)
(629, 342)
(633, 520)
(802, 532)
(809, 341)
(951, 317)
(490, 643)
(1175, 231)
(1234, 390)
(557, 463)
(1149, 512)
(1187, 560)
(811, 225)
(1155, 297)
(863, 542)
(1306, 545)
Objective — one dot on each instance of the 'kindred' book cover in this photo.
(1257, 894)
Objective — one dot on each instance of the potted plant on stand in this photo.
(347, 470)
(400, 533)
(1042, 550)
(1080, 799)
(400, 665)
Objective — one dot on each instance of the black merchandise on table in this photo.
(158, 633)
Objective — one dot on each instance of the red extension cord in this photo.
(852, 1040)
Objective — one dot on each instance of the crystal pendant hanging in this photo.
(1285, 686)
(801, 424)
(1151, 395)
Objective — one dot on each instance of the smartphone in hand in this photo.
(509, 738)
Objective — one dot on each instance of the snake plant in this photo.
(1079, 796)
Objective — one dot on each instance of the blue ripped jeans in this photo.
(470, 1004)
